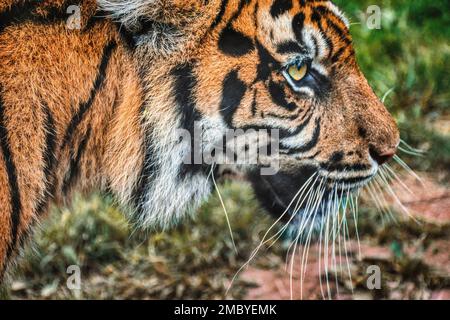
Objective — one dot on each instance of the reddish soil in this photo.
(425, 200)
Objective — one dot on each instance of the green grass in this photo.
(409, 55)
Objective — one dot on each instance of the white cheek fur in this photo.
(128, 13)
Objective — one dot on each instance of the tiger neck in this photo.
(145, 158)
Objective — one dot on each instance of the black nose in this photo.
(384, 156)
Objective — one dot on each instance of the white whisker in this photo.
(379, 186)
(376, 200)
(306, 215)
(298, 205)
(320, 256)
(335, 232)
(304, 262)
(411, 153)
(397, 200)
(408, 147)
(354, 210)
(264, 241)
(325, 258)
(347, 234)
(387, 94)
(407, 168)
(225, 210)
(391, 173)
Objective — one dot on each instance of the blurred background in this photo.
(407, 63)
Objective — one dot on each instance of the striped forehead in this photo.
(324, 8)
(301, 24)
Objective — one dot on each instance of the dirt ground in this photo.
(415, 266)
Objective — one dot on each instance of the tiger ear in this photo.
(162, 26)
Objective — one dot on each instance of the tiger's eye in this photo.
(297, 73)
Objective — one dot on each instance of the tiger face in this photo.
(281, 65)
(290, 65)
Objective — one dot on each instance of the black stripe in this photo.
(267, 63)
(351, 180)
(311, 144)
(25, 11)
(280, 7)
(278, 95)
(233, 18)
(298, 25)
(49, 163)
(285, 133)
(288, 47)
(342, 166)
(254, 105)
(149, 165)
(74, 167)
(316, 46)
(337, 55)
(148, 168)
(255, 16)
(306, 120)
(85, 106)
(317, 18)
(15, 200)
(48, 159)
(342, 33)
(219, 17)
(233, 91)
(184, 91)
(234, 43)
(126, 36)
(242, 3)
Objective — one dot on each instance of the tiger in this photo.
(93, 94)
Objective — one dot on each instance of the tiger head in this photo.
(286, 65)
(290, 65)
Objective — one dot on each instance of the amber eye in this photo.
(296, 72)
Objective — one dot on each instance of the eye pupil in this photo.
(296, 72)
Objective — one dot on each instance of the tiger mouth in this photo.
(317, 214)
(351, 185)
(309, 195)
(325, 196)
(321, 199)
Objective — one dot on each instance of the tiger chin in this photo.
(98, 102)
